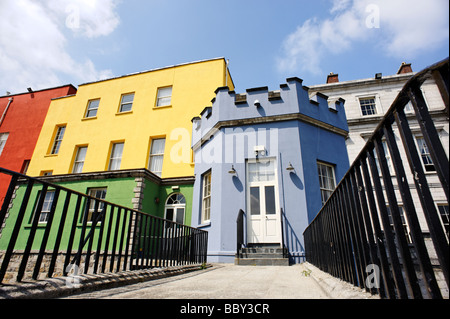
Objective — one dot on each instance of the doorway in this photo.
(263, 221)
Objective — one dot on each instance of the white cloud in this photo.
(90, 18)
(400, 28)
(414, 26)
(33, 45)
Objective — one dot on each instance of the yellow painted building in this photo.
(140, 120)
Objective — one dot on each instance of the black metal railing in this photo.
(348, 240)
(240, 226)
(62, 234)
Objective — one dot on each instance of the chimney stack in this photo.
(405, 68)
(332, 78)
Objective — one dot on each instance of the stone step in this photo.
(262, 250)
(261, 261)
(260, 255)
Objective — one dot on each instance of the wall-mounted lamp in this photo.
(257, 103)
(290, 168)
(232, 171)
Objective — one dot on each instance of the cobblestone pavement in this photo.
(225, 281)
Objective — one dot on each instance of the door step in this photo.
(262, 256)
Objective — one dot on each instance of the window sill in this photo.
(123, 113)
(206, 224)
(89, 118)
(162, 107)
(39, 225)
(50, 155)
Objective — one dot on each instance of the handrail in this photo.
(352, 231)
(118, 236)
(240, 223)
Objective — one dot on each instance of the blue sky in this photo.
(52, 42)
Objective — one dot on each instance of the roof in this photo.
(388, 78)
(35, 91)
(156, 69)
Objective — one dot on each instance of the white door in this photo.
(264, 225)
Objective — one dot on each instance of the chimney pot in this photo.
(405, 68)
(332, 78)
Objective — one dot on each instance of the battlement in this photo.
(257, 105)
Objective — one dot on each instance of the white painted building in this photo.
(366, 102)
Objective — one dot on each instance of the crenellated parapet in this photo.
(261, 105)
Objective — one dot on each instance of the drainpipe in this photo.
(6, 110)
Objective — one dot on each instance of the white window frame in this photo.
(326, 191)
(179, 202)
(114, 160)
(206, 198)
(78, 162)
(91, 209)
(441, 212)
(126, 104)
(387, 156)
(420, 141)
(61, 129)
(405, 224)
(46, 206)
(152, 156)
(90, 110)
(3, 139)
(161, 100)
(374, 98)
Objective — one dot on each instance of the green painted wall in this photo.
(186, 190)
(119, 191)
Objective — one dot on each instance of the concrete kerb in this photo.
(336, 288)
(66, 286)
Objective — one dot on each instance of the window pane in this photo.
(261, 171)
(207, 185)
(254, 201)
(206, 208)
(443, 211)
(158, 146)
(180, 215)
(368, 106)
(326, 181)
(92, 108)
(46, 207)
(116, 156)
(79, 160)
(156, 163)
(164, 96)
(58, 139)
(176, 199)
(270, 199)
(126, 102)
(157, 156)
(3, 138)
(128, 98)
(425, 154)
(48, 201)
(169, 213)
(99, 193)
(206, 199)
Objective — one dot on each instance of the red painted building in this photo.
(21, 119)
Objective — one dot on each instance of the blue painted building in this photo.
(275, 155)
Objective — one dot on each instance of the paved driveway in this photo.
(224, 281)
